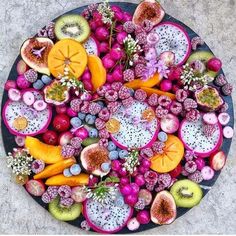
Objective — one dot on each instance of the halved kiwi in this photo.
(186, 193)
(64, 213)
(72, 26)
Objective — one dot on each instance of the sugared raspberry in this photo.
(104, 114)
(140, 95)
(124, 93)
(85, 107)
(184, 172)
(99, 123)
(84, 225)
(113, 106)
(64, 191)
(139, 29)
(227, 89)
(66, 202)
(176, 107)
(76, 142)
(141, 38)
(190, 167)
(75, 104)
(193, 115)
(139, 70)
(77, 152)
(220, 80)
(94, 108)
(46, 198)
(151, 177)
(157, 147)
(67, 151)
(196, 177)
(116, 86)
(140, 60)
(161, 112)
(103, 142)
(153, 100)
(52, 191)
(128, 102)
(195, 42)
(129, 27)
(103, 133)
(164, 101)
(111, 95)
(31, 75)
(147, 25)
(189, 104)
(128, 75)
(160, 188)
(140, 204)
(181, 95)
(224, 107)
(150, 187)
(209, 130)
(189, 155)
(37, 166)
(101, 91)
(147, 153)
(164, 180)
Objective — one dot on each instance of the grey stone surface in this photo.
(214, 21)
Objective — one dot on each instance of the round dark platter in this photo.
(9, 141)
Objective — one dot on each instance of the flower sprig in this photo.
(107, 14)
(131, 161)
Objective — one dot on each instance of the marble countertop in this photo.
(214, 21)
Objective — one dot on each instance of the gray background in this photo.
(214, 20)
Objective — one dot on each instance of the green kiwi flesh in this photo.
(72, 26)
(89, 141)
(186, 193)
(64, 213)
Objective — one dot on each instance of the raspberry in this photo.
(113, 106)
(151, 177)
(153, 100)
(104, 114)
(139, 29)
(195, 42)
(161, 112)
(220, 80)
(146, 153)
(103, 133)
(66, 202)
(129, 27)
(116, 86)
(64, 191)
(190, 167)
(84, 225)
(227, 89)
(140, 204)
(128, 75)
(103, 142)
(189, 155)
(76, 142)
(147, 25)
(140, 95)
(142, 38)
(101, 91)
(46, 198)
(164, 101)
(209, 130)
(52, 191)
(193, 115)
(140, 60)
(111, 95)
(94, 108)
(37, 166)
(150, 187)
(184, 172)
(196, 177)
(124, 93)
(157, 147)
(128, 102)
(160, 188)
(224, 107)
(139, 70)
(176, 108)
(189, 104)
(181, 95)
(75, 104)
(99, 124)
(31, 75)
(164, 180)
(85, 107)
(67, 151)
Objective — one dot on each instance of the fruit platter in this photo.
(116, 117)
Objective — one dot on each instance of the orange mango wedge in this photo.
(150, 91)
(170, 158)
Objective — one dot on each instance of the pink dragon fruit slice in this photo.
(193, 138)
(106, 218)
(37, 121)
(173, 38)
(134, 131)
(91, 46)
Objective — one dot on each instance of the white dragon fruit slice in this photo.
(134, 131)
(106, 218)
(91, 46)
(174, 38)
(37, 121)
(194, 139)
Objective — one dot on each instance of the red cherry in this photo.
(50, 137)
(176, 172)
(61, 122)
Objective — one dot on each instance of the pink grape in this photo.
(70, 112)
(102, 33)
(146, 163)
(121, 36)
(135, 188)
(127, 16)
(142, 169)
(110, 78)
(124, 180)
(108, 62)
(166, 85)
(117, 74)
(103, 47)
(126, 190)
(139, 180)
(88, 85)
(116, 54)
(143, 217)
(123, 172)
(131, 199)
(115, 165)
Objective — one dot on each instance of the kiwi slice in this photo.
(64, 213)
(186, 193)
(72, 26)
(89, 141)
(203, 56)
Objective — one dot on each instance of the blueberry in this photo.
(123, 153)
(81, 115)
(38, 84)
(76, 122)
(90, 119)
(46, 79)
(119, 201)
(111, 146)
(131, 91)
(162, 136)
(113, 155)
(105, 166)
(101, 103)
(93, 133)
(67, 173)
(75, 169)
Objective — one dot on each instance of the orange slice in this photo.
(67, 53)
(20, 123)
(113, 125)
(148, 114)
(170, 158)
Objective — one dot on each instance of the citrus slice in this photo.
(113, 125)
(67, 53)
(20, 123)
(148, 114)
(170, 158)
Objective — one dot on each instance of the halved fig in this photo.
(163, 209)
(34, 52)
(148, 10)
